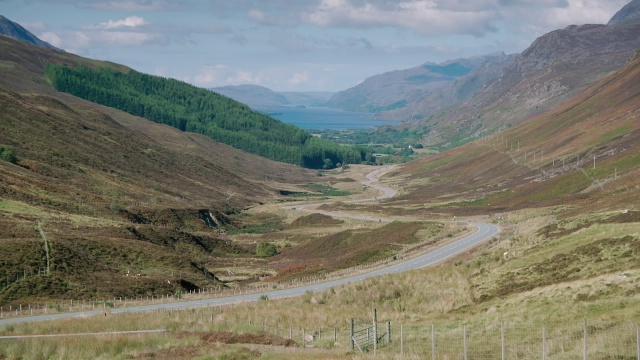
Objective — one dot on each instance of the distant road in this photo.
(484, 232)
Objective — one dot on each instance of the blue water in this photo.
(324, 118)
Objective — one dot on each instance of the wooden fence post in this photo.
(544, 343)
(375, 332)
(464, 334)
(433, 341)
(401, 341)
(351, 333)
(388, 332)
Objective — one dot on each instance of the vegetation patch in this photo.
(188, 108)
(247, 338)
(315, 220)
(260, 223)
(8, 154)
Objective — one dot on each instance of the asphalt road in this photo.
(483, 233)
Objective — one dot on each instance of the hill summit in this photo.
(629, 14)
(15, 31)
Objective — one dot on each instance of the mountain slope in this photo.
(556, 67)
(15, 31)
(114, 194)
(189, 108)
(393, 90)
(629, 14)
(584, 154)
(252, 95)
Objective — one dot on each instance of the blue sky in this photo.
(294, 45)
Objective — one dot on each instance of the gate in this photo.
(364, 335)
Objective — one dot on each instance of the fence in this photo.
(521, 341)
(588, 340)
(477, 341)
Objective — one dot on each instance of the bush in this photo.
(265, 249)
(7, 154)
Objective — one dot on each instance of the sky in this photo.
(294, 45)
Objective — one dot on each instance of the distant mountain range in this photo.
(259, 96)
(554, 68)
(395, 90)
(15, 31)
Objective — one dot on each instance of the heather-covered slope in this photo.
(115, 194)
(584, 154)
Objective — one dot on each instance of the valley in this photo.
(506, 223)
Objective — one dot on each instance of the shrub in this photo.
(265, 249)
(7, 154)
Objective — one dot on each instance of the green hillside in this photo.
(191, 109)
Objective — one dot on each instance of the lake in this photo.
(324, 118)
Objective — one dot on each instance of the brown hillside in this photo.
(116, 194)
(523, 167)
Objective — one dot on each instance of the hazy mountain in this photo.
(15, 31)
(399, 89)
(308, 98)
(259, 96)
(252, 95)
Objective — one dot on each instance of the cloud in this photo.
(130, 22)
(130, 5)
(426, 18)
(299, 78)
(244, 77)
(421, 17)
(78, 40)
(52, 38)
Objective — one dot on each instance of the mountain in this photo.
(307, 98)
(629, 14)
(114, 193)
(583, 154)
(397, 89)
(189, 108)
(252, 95)
(15, 31)
(554, 68)
(259, 96)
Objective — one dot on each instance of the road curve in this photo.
(483, 233)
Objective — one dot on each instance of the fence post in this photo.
(433, 341)
(290, 332)
(584, 346)
(375, 332)
(335, 335)
(502, 339)
(351, 334)
(303, 339)
(544, 343)
(464, 335)
(638, 337)
(401, 341)
(388, 332)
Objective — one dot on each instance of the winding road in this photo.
(483, 233)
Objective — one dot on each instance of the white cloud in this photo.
(51, 38)
(129, 22)
(244, 77)
(129, 5)
(299, 78)
(422, 17)
(210, 75)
